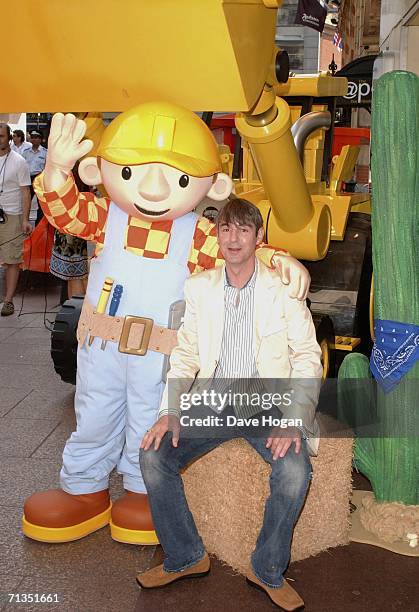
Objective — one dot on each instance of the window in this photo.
(286, 14)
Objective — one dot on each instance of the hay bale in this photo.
(227, 488)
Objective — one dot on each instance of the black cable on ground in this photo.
(46, 321)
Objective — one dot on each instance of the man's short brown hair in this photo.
(19, 134)
(240, 212)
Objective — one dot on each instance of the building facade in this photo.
(301, 43)
(359, 26)
(328, 50)
(399, 37)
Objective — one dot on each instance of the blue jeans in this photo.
(175, 526)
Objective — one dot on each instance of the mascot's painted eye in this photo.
(183, 181)
(126, 173)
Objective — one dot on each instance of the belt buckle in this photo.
(126, 328)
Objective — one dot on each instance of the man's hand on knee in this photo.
(160, 428)
(281, 439)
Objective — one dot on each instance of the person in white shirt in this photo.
(35, 158)
(20, 145)
(14, 213)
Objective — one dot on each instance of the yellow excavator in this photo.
(218, 55)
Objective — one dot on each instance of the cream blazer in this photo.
(285, 344)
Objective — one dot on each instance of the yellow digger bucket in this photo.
(89, 56)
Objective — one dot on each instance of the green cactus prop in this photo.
(391, 460)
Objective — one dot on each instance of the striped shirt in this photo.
(237, 358)
(236, 371)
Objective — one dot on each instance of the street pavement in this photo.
(98, 574)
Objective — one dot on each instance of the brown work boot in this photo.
(7, 309)
(57, 516)
(131, 521)
(158, 577)
(285, 597)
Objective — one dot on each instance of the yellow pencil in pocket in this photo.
(103, 300)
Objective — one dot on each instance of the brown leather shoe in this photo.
(158, 577)
(285, 597)
(57, 516)
(131, 521)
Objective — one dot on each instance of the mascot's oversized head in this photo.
(157, 161)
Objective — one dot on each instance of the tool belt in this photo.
(136, 335)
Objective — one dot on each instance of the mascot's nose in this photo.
(154, 186)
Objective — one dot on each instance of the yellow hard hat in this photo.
(161, 132)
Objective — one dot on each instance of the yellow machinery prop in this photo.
(211, 54)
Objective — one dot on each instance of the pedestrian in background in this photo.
(20, 145)
(35, 157)
(69, 257)
(15, 204)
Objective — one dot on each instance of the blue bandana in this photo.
(395, 351)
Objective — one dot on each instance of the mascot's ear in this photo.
(89, 171)
(221, 188)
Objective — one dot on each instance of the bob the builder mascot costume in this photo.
(156, 162)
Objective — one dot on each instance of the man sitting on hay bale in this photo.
(239, 324)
